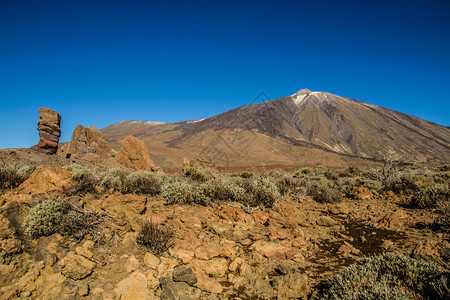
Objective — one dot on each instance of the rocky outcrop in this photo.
(49, 126)
(134, 155)
(87, 141)
(49, 180)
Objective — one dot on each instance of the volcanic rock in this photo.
(49, 126)
(88, 140)
(47, 180)
(134, 155)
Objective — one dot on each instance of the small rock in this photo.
(13, 246)
(172, 290)
(132, 264)
(77, 267)
(151, 261)
(132, 287)
(185, 275)
(326, 221)
(208, 284)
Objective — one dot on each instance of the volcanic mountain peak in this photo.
(305, 94)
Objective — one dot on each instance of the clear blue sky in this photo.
(100, 62)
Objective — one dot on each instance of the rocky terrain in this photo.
(306, 128)
(224, 249)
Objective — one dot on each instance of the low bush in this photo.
(114, 180)
(324, 194)
(43, 219)
(177, 193)
(243, 174)
(142, 182)
(51, 216)
(84, 181)
(429, 196)
(11, 176)
(389, 276)
(289, 185)
(78, 222)
(158, 239)
(260, 191)
(196, 174)
(406, 184)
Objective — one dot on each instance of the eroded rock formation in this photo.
(134, 154)
(49, 126)
(87, 141)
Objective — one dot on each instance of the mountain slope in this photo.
(307, 120)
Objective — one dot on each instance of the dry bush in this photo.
(261, 191)
(142, 182)
(155, 237)
(78, 222)
(289, 185)
(11, 176)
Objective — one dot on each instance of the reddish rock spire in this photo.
(49, 126)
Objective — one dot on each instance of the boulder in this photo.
(134, 155)
(47, 180)
(77, 267)
(49, 126)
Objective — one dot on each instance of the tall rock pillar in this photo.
(49, 126)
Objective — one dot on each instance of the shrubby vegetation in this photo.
(12, 176)
(389, 276)
(52, 216)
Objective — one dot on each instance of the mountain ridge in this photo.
(308, 119)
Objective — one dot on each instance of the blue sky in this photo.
(100, 62)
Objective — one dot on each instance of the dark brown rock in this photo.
(184, 275)
(49, 126)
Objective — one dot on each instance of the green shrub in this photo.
(84, 181)
(195, 173)
(373, 185)
(155, 237)
(142, 182)
(114, 180)
(389, 276)
(429, 196)
(177, 193)
(406, 184)
(51, 216)
(43, 219)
